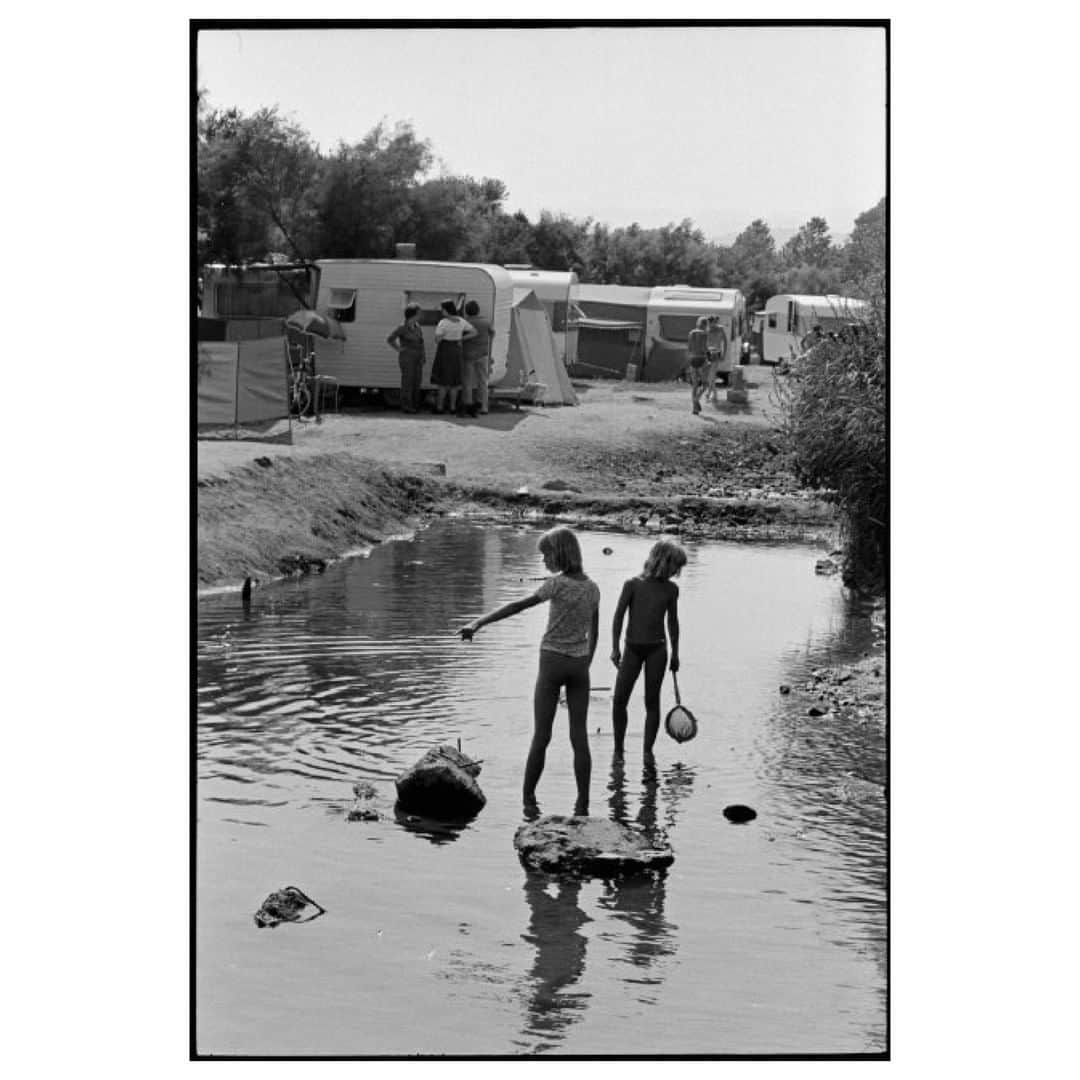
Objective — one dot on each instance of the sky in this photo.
(721, 125)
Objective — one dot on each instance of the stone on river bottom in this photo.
(591, 846)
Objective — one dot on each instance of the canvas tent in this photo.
(531, 356)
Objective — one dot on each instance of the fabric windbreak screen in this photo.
(262, 392)
(216, 382)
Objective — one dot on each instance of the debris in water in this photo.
(608, 551)
(738, 814)
(287, 905)
(816, 710)
(784, 688)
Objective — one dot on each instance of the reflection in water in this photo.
(555, 922)
(639, 900)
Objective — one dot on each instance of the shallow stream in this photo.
(761, 938)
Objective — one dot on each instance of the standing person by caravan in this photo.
(446, 372)
(673, 311)
(697, 355)
(408, 340)
(477, 361)
(716, 346)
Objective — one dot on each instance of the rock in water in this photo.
(738, 814)
(287, 905)
(589, 846)
(363, 808)
(441, 785)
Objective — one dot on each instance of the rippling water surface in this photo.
(763, 938)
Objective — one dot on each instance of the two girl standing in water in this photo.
(569, 643)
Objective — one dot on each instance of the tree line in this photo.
(264, 187)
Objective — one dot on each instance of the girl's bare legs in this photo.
(545, 702)
(629, 669)
(440, 398)
(655, 666)
(577, 701)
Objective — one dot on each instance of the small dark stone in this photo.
(608, 551)
(738, 814)
(785, 689)
(816, 710)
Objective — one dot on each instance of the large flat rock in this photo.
(589, 846)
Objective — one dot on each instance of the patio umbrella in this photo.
(313, 322)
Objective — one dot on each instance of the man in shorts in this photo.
(716, 345)
(697, 356)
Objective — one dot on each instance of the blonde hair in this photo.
(664, 561)
(563, 547)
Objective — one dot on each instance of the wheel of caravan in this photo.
(391, 396)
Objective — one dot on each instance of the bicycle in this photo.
(299, 388)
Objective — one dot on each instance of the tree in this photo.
(558, 241)
(864, 254)
(364, 205)
(257, 178)
(810, 246)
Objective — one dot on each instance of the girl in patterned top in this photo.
(566, 651)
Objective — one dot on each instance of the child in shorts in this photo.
(649, 599)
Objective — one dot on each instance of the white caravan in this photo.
(673, 312)
(557, 290)
(368, 298)
(789, 317)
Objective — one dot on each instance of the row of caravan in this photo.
(611, 331)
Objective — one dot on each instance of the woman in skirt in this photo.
(447, 371)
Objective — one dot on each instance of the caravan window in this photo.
(557, 311)
(792, 318)
(677, 327)
(431, 304)
(342, 304)
(772, 320)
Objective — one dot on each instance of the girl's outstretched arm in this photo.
(673, 629)
(617, 622)
(594, 634)
(499, 613)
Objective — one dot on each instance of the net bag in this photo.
(679, 722)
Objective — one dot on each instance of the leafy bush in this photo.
(833, 403)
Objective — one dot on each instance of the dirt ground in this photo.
(622, 437)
